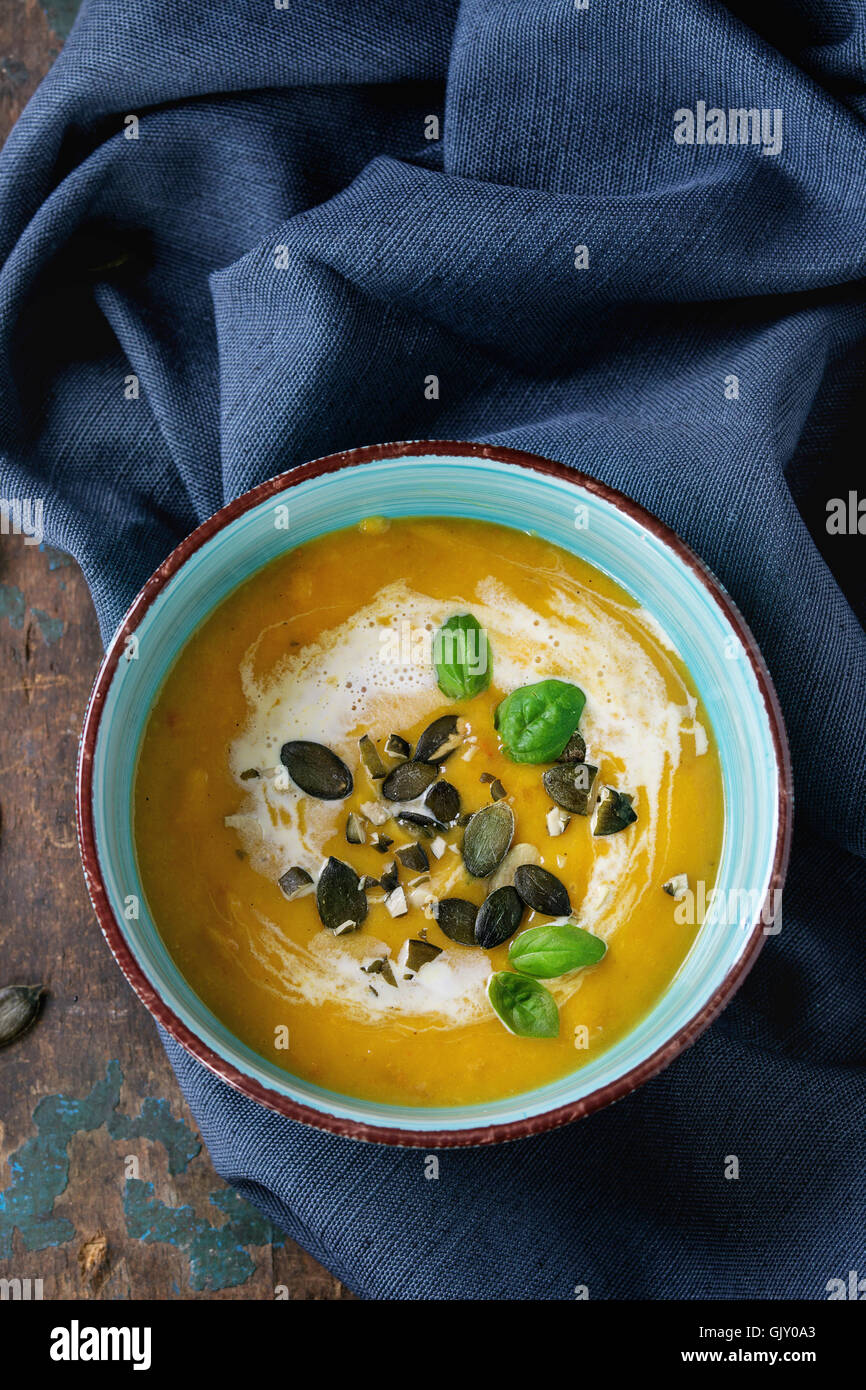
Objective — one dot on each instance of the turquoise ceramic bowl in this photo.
(527, 493)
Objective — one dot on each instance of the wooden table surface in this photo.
(105, 1189)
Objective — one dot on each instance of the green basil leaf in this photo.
(554, 949)
(524, 1006)
(536, 721)
(461, 655)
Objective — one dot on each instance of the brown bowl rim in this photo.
(226, 1071)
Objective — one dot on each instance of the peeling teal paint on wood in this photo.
(156, 1122)
(219, 1256)
(61, 15)
(52, 629)
(40, 1168)
(12, 605)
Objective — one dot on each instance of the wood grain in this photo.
(105, 1190)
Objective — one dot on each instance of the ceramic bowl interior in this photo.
(616, 537)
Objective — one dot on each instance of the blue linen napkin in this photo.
(632, 238)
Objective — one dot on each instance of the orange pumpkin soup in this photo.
(414, 808)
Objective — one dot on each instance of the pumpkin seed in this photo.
(409, 780)
(387, 973)
(542, 891)
(420, 953)
(413, 857)
(391, 877)
(456, 918)
(19, 1009)
(497, 791)
(355, 833)
(382, 843)
(249, 774)
(444, 802)
(368, 881)
(295, 881)
(614, 812)
(414, 820)
(396, 902)
(571, 785)
(397, 747)
(487, 838)
(440, 739)
(574, 751)
(498, 917)
(517, 855)
(316, 770)
(370, 758)
(557, 821)
(678, 886)
(340, 898)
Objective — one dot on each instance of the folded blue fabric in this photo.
(633, 239)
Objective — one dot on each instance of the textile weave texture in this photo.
(281, 258)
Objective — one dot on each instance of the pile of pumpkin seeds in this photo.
(415, 793)
(536, 724)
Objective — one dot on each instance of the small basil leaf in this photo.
(554, 949)
(536, 721)
(461, 656)
(525, 1007)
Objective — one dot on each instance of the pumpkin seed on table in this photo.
(614, 812)
(555, 948)
(19, 1010)
(498, 917)
(525, 1007)
(340, 898)
(444, 802)
(370, 758)
(542, 891)
(440, 739)
(488, 838)
(316, 770)
(295, 882)
(409, 780)
(571, 786)
(456, 918)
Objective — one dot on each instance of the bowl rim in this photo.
(234, 1076)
